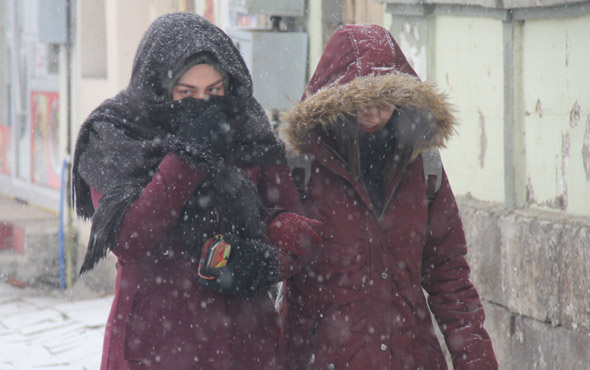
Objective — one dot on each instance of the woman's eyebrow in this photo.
(186, 85)
(216, 82)
(194, 87)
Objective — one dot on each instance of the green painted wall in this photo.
(556, 81)
(466, 61)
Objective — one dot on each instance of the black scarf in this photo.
(374, 150)
(123, 141)
(119, 149)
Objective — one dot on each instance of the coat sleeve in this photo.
(151, 215)
(291, 264)
(278, 189)
(453, 299)
(279, 193)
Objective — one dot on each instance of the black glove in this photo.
(202, 125)
(252, 267)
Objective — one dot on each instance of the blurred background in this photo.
(517, 72)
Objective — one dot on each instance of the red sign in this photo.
(45, 153)
(4, 148)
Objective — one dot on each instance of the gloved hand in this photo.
(294, 233)
(252, 267)
(202, 125)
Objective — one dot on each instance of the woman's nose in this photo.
(370, 111)
(373, 110)
(200, 95)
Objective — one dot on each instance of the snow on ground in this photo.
(47, 330)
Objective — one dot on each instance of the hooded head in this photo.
(123, 141)
(362, 66)
(357, 51)
(177, 41)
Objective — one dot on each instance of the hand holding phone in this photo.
(215, 254)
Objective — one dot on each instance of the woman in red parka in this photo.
(182, 154)
(359, 302)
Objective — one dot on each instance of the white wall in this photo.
(466, 62)
(126, 21)
(556, 58)
(551, 106)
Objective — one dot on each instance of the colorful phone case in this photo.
(215, 254)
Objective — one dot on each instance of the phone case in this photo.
(215, 254)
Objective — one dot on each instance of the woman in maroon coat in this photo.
(359, 302)
(185, 153)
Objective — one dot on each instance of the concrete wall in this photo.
(532, 269)
(516, 72)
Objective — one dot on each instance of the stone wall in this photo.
(532, 270)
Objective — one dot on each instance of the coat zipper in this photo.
(342, 159)
(393, 190)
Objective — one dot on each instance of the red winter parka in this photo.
(359, 302)
(156, 194)
(161, 318)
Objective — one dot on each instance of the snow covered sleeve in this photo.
(453, 299)
(150, 217)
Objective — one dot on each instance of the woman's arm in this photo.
(453, 299)
(150, 216)
(284, 249)
(278, 189)
(293, 233)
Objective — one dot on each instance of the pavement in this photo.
(49, 329)
(41, 326)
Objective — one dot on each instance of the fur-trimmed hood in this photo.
(338, 101)
(363, 66)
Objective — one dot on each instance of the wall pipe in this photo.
(62, 282)
(70, 8)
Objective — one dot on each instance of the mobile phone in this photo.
(215, 254)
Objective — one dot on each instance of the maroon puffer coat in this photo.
(161, 318)
(359, 303)
(155, 197)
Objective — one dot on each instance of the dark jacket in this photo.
(154, 200)
(359, 303)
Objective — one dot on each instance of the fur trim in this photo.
(339, 101)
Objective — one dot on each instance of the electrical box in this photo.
(51, 20)
(285, 8)
(277, 62)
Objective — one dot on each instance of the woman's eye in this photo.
(184, 92)
(216, 90)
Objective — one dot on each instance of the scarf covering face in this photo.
(122, 142)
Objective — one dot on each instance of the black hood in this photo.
(170, 41)
(122, 142)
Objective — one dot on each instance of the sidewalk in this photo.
(29, 243)
(47, 330)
